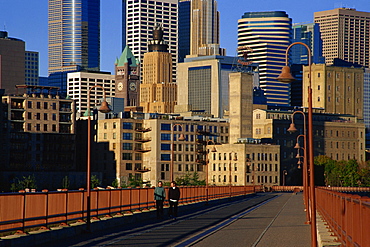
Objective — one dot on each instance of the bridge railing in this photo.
(24, 210)
(348, 215)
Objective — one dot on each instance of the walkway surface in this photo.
(268, 219)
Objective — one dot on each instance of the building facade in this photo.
(203, 84)
(345, 35)
(12, 62)
(74, 35)
(205, 28)
(140, 17)
(267, 35)
(31, 68)
(308, 34)
(158, 94)
(80, 83)
(336, 89)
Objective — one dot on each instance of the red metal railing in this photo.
(348, 215)
(22, 211)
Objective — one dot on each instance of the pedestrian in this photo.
(159, 196)
(174, 197)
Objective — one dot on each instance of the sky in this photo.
(27, 20)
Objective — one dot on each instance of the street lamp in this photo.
(181, 138)
(104, 108)
(284, 174)
(292, 129)
(207, 162)
(286, 76)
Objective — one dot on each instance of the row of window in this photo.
(37, 127)
(45, 105)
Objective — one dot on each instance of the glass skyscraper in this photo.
(74, 35)
(268, 35)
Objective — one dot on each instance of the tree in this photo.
(190, 179)
(65, 183)
(95, 182)
(28, 182)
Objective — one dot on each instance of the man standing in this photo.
(159, 196)
(174, 197)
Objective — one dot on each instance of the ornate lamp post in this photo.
(286, 76)
(181, 138)
(231, 159)
(104, 108)
(284, 174)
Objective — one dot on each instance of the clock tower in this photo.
(128, 78)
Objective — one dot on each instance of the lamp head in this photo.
(292, 128)
(181, 137)
(297, 146)
(104, 108)
(285, 75)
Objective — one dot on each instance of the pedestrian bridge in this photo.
(221, 216)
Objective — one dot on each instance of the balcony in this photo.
(143, 130)
(142, 140)
(206, 133)
(142, 170)
(142, 150)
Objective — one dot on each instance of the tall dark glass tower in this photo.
(74, 35)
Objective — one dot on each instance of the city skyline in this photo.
(31, 26)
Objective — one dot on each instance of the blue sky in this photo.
(27, 20)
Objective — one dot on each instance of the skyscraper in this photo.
(308, 34)
(12, 62)
(139, 18)
(157, 92)
(74, 35)
(267, 35)
(345, 35)
(205, 30)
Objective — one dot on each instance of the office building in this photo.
(308, 34)
(80, 83)
(158, 94)
(74, 35)
(12, 62)
(205, 30)
(144, 147)
(127, 69)
(31, 68)
(345, 35)
(338, 136)
(267, 35)
(336, 89)
(203, 84)
(184, 27)
(139, 19)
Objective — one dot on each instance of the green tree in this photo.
(190, 179)
(27, 182)
(134, 182)
(65, 183)
(95, 182)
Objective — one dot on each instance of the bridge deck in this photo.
(278, 221)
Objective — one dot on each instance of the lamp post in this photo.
(284, 174)
(292, 129)
(104, 108)
(181, 138)
(207, 162)
(286, 76)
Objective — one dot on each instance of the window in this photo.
(29, 115)
(45, 127)
(38, 116)
(45, 105)
(54, 117)
(54, 106)
(126, 146)
(38, 127)
(29, 104)
(54, 127)
(165, 137)
(114, 135)
(114, 125)
(166, 157)
(127, 136)
(126, 156)
(128, 166)
(165, 126)
(127, 126)
(45, 116)
(105, 126)
(38, 105)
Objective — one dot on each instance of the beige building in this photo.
(144, 147)
(205, 28)
(345, 35)
(203, 84)
(158, 94)
(244, 164)
(336, 89)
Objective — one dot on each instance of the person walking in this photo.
(159, 196)
(174, 197)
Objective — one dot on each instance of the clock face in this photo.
(120, 86)
(132, 86)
